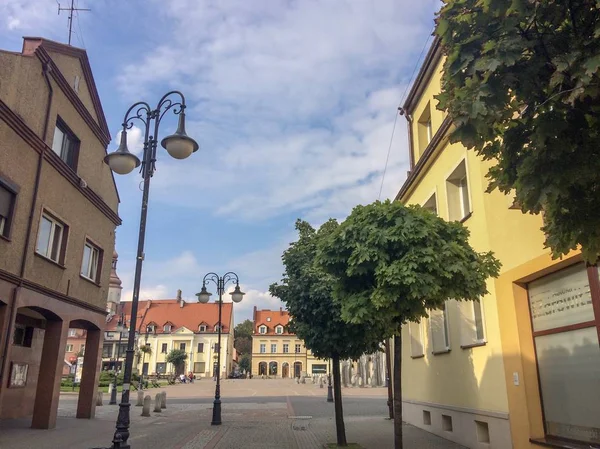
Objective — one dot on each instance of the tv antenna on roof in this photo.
(71, 9)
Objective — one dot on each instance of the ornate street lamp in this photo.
(122, 161)
(204, 296)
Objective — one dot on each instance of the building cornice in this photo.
(427, 69)
(30, 137)
(440, 138)
(14, 279)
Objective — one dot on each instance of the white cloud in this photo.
(292, 103)
(30, 15)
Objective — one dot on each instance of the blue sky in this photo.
(292, 103)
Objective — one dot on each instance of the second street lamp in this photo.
(120, 328)
(122, 161)
(204, 296)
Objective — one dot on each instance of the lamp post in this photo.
(204, 296)
(121, 161)
(329, 387)
(120, 327)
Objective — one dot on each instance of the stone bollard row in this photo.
(99, 399)
(140, 399)
(163, 399)
(146, 406)
(157, 401)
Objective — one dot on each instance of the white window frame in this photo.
(72, 332)
(286, 348)
(151, 328)
(263, 348)
(65, 144)
(92, 271)
(446, 332)
(421, 340)
(167, 328)
(274, 346)
(279, 329)
(163, 349)
(69, 347)
(51, 251)
(202, 328)
(262, 329)
(297, 348)
(463, 191)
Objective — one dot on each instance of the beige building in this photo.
(58, 214)
(167, 324)
(276, 352)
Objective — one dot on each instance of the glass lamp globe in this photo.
(237, 295)
(204, 295)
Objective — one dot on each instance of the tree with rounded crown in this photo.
(391, 264)
(177, 358)
(521, 85)
(306, 290)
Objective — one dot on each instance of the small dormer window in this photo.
(202, 328)
(262, 329)
(279, 330)
(167, 328)
(151, 328)
(218, 328)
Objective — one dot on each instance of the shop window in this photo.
(161, 367)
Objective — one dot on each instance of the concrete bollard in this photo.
(99, 399)
(146, 406)
(157, 400)
(163, 399)
(140, 399)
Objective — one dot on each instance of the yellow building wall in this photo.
(481, 378)
(305, 357)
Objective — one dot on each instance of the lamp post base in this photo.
(113, 395)
(329, 393)
(216, 418)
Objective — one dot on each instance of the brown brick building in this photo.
(58, 214)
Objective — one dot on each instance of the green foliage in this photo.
(245, 363)
(243, 337)
(146, 349)
(392, 263)
(306, 290)
(108, 377)
(521, 84)
(176, 357)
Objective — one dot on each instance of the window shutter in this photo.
(416, 339)
(471, 322)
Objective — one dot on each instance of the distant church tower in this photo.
(114, 288)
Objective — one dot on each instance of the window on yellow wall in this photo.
(457, 189)
(438, 327)
(472, 326)
(416, 339)
(424, 129)
(431, 204)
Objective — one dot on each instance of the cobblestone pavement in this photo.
(302, 419)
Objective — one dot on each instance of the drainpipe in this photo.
(9, 328)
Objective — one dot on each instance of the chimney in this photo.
(281, 311)
(180, 299)
(254, 315)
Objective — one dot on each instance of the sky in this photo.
(293, 103)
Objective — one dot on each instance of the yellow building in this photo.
(279, 353)
(522, 366)
(168, 324)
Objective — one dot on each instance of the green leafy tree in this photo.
(392, 264)
(245, 363)
(243, 337)
(521, 85)
(177, 358)
(306, 290)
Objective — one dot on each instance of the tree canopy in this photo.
(176, 357)
(306, 290)
(243, 337)
(392, 263)
(521, 85)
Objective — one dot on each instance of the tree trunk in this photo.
(397, 392)
(337, 398)
(388, 373)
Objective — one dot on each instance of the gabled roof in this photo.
(170, 310)
(30, 44)
(271, 319)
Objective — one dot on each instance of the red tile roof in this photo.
(169, 311)
(271, 318)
